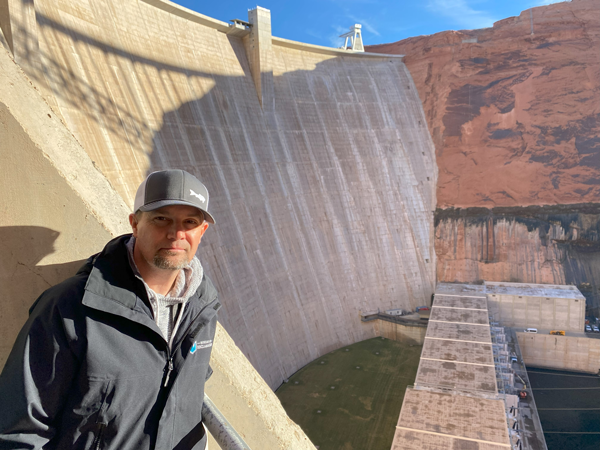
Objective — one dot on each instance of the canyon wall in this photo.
(514, 113)
(556, 244)
(320, 166)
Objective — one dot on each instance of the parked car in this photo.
(595, 329)
(588, 329)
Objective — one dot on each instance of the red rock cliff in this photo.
(514, 110)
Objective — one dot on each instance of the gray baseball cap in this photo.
(172, 187)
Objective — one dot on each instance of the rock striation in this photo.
(514, 110)
(537, 244)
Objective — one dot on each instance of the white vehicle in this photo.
(588, 329)
(595, 329)
(531, 330)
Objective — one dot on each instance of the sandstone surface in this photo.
(514, 110)
(537, 244)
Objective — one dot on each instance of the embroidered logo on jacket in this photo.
(201, 344)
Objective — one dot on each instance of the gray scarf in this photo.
(166, 307)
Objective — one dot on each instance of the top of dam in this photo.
(240, 28)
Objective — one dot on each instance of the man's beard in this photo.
(161, 261)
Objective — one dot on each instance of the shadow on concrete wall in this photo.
(22, 279)
(294, 256)
(288, 193)
(22, 248)
(77, 92)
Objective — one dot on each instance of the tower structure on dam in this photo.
(319, 162)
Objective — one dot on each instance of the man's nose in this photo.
(176, 231)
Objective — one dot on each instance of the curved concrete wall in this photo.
(323, 184)
(50, 219)
(57, 209)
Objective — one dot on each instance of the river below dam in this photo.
(569, 408)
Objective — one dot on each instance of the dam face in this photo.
(319, 162)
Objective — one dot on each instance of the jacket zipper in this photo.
(169, 367)
(96, 444)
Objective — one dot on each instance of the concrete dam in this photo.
(319, 162)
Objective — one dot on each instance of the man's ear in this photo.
(134, 223)
(203, 227)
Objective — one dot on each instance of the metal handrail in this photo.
(393, 319)
(220, 428)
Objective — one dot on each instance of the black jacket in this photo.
(91, 369)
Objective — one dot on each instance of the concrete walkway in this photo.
(532, 433)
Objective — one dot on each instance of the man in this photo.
(116, 357)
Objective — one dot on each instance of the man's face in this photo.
(167, 238)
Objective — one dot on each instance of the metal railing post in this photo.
(220, 428)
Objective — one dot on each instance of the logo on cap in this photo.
(169, 187)
(200, 197)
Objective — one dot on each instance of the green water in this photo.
(350, 399)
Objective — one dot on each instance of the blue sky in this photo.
(321, 21)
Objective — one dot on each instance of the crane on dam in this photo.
(355, 38)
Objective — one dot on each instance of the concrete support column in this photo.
(5, 28)
(259, 50)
